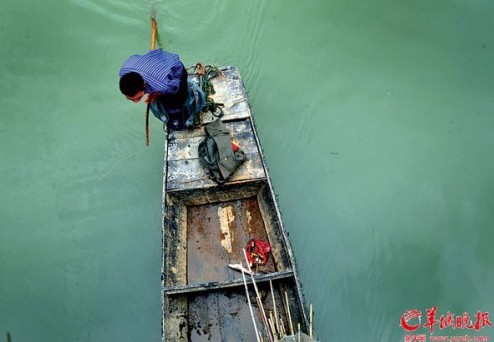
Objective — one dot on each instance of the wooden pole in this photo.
(154, 28)
(147, 124)
(310, 321)
(250, 305)
(274, 306)
(261, 307)
(283, 329)
(289, 315)
(271, 324)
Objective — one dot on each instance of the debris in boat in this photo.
(218, 155)
(226, 217)
(258, 252)
(239, 267)
(235, 145)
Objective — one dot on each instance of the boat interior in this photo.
(207, 232)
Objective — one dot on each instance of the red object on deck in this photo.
(258, 252)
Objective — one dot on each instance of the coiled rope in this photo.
(206, 73)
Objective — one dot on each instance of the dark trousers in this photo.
(173, 104)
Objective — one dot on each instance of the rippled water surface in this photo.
(377, 123)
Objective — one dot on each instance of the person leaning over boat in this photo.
(162, 76)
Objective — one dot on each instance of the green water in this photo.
(376, 119)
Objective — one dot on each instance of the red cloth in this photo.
(258, 252)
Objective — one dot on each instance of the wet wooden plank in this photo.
(186, 146)
(230, 91)
(174, 270)
(230, 324)
(175, 249)
(225, 193)
(204, 318)
(216, 235)
(220, 285)
(222, 316)
(175, 318)
(225, 315)
(190, 174)
(247, 328)
(235, 127)
(185, 170)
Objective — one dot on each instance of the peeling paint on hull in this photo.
(226, 218)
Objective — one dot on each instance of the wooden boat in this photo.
(206, 227)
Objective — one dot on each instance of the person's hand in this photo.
(151, 98)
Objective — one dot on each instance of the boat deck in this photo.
(225, 315)
(184, 169)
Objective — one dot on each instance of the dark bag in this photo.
(216, 152)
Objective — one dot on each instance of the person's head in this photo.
(132, 86)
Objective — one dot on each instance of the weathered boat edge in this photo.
(163, 213)
(284, 232)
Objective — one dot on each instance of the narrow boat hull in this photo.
(206, 227)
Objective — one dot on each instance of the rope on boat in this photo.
(206, 73)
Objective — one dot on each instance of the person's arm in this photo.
(174, 79)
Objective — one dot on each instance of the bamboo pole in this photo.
(310, 321)
(250, 305)
(283, 329)
(289, 315)
(271, 324)
(274, 306)
(261, 307)
(154, 28)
